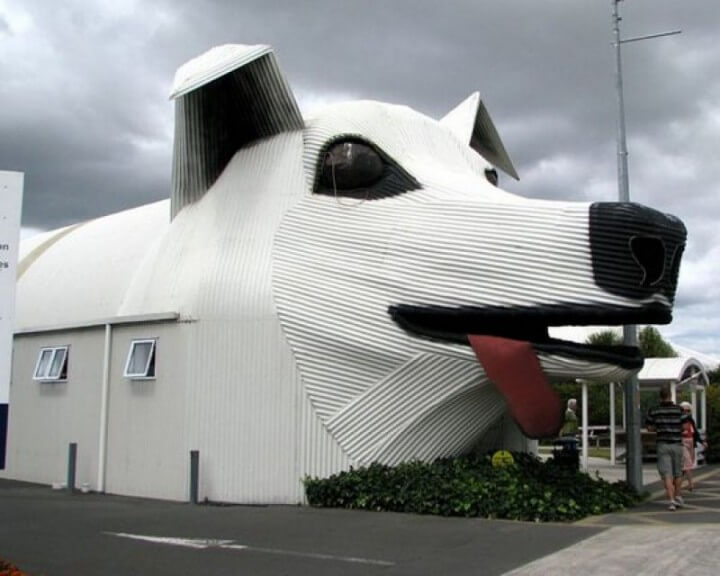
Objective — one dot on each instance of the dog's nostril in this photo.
(649, 253)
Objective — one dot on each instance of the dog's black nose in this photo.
(636, 250)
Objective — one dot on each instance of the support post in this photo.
(584, 426)
(612, 423)
(633, 454)
(72, 462)
(104, 404)
(194, 475)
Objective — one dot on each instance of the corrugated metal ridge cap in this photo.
(213, 64)
(154, 317)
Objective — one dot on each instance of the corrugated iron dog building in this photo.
(316, 293)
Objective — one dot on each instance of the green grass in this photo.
(599, 452)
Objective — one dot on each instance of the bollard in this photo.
(194, 475)
(72, 461)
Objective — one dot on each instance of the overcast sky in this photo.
(84, 108)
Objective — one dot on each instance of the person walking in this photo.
(690, 438)
(570, 426)
(666, 420)
(567, 440)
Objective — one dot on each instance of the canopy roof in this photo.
(659, 371)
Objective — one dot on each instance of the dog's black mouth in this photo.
(531, 325)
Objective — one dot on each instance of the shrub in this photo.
(528, 489)
(7, 569)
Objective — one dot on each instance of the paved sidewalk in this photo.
(649, 539)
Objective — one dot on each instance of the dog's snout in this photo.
(636, 251)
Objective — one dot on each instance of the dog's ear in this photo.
(224, 99)
(471, 122)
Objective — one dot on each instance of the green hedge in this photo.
(529, 489)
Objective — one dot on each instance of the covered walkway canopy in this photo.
(680, 373)
(684, 373)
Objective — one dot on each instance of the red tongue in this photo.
(513, 367)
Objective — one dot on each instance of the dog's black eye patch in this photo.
(354, 168)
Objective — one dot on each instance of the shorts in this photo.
(670, 460)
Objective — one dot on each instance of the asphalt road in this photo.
(53, 533)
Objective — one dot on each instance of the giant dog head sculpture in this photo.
(416, 294)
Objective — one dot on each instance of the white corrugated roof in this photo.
(81, 273)
(710, 362)
(668, 370)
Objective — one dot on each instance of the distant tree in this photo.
(653, 345)
(713, 417)
(605, 338)
(713, 422)
(714, 376)
(650, 342)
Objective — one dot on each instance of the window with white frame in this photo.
(52, 364)
(141, 360)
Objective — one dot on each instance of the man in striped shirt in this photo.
(667, 420)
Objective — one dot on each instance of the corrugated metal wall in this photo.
(243, 395)
(146, 440)
(241, 411)
(45, 417)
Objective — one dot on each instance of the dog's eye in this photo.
(351, 165)
(492, 176)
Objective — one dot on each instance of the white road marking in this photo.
(203, 543)
(186, 542)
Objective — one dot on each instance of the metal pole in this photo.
(194, 475)
(622, 165)
(633, 461)
(612, 423)
(72, 462)
(585, 443)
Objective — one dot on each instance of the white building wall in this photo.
(146, 449)
(45, 417)
(241, 411)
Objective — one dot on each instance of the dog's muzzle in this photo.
(636, 251)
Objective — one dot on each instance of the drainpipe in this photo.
(104, 401)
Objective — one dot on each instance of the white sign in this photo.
(11, 189)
